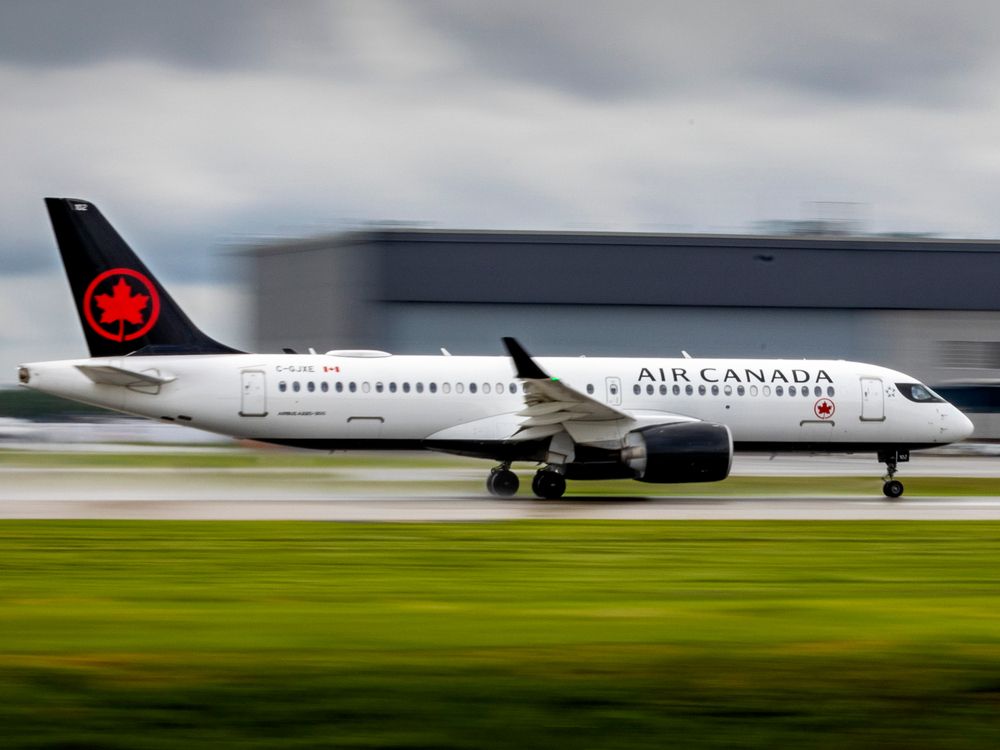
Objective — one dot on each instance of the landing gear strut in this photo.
(548, 484)
(502, 482)
(892, 488)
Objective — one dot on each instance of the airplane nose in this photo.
(964, 425)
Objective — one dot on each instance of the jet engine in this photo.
(679, 452)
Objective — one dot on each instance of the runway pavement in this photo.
(346, 493)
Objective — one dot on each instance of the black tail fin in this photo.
(122, 307)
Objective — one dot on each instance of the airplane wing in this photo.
(550, 404)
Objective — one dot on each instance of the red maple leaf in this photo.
(121, 306)
(824, 408)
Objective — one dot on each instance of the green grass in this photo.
(522, 634)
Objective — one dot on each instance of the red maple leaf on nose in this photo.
(121, 306)
(824, 408)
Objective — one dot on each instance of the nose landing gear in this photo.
(892, 488)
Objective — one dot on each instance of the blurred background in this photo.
(614, 178)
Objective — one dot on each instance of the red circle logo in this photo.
(124, 297)
(824, 408)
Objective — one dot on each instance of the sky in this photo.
(201, 126)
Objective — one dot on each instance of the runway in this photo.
(349, 493)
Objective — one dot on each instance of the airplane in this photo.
(651, 419)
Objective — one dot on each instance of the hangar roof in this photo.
(429, 265)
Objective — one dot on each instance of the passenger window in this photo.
(324, 386)
(649, 389)
(486, 387)
(677, 390)
(740, 390)
(829, 391)
(295, 386)
(753, 390)
(446, 387)
(392, 387)
(689, 390)
(406, 387)
(366, 387)
(663, 389)
(636, 389)
(282, 386)
(590, 389)
(420, 387)
(378, 387)
(791, 390)
(727, 389)
(459, 387)
(779, 390)
(499, 388)
(311, 387)
(513, 387)
(352, 387)
(472, 387)
(701, 390)
(817, 391)
(432, 387)
(715, 390)
(766, 390)
(339, 387)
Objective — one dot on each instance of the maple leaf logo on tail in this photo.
(124, 305)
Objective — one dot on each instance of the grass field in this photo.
(524, 634)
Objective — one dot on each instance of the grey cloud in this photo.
(184, 33)
(909, 50)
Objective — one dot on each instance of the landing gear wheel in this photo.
(893, 488)
(502, 483)
(548, 485)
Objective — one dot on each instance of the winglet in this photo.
(526, 367)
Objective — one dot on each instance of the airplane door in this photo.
(872, 400)
(254, 398)
(614, 389)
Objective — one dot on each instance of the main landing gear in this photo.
(892, 488)
(547, 484)
(502, 482)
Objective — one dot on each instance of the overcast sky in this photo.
(196, 125)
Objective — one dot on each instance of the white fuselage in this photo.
(333, 401)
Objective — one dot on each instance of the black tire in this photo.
(548, 485)
(892, 489)
(503, 483)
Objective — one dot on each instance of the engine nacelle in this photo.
(680, 452)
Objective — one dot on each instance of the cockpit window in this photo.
(919, 393)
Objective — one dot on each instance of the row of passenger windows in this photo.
(392, 387)
(739, 390)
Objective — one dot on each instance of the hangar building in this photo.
(928, 307)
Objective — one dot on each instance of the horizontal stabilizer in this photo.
(108, 375)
